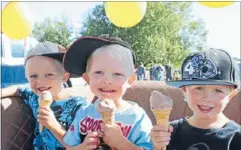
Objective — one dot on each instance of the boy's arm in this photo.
(10, 91)
(59, 132)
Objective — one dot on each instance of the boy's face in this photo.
(108, 77)
(207, 101)
(44, 74)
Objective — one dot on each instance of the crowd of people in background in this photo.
(157, 72)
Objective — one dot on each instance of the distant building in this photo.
(13, 51)
(12, 56)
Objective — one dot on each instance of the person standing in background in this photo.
(141, 72)
(168, 72)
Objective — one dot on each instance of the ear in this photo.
(233, 93)
(85, 76)
(132, 79)
(183, 89)
(66, 76)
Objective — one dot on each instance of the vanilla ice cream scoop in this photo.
(106, 108)
(45, 96)
(106, 105)
(45, 99)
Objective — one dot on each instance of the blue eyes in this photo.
(219, 91)
(201, 88)
(101, 73)
(34, 76)
(118, 74)
(98, 72)
(49, 74)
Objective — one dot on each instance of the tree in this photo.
(167, 33)
(53, 30)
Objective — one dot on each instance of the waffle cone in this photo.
(108, 117)
(43, 103)
(162, 116)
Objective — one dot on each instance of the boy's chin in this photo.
(206, 115)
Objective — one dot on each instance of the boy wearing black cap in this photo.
(209, 80)
(44, 71)
(107, 65)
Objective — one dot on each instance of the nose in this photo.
(41, 80)
(207, 96)
(107, 79)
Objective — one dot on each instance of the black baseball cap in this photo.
(209, 67)
(78, 53)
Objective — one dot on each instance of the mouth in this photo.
(205, 109)
(106, 91)
(41, 89)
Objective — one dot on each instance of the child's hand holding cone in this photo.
(45, 99)
(161, 107)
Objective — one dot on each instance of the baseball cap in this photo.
(47, 49)
(209, 67)
(78, 53)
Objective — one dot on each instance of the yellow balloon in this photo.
(16, 22)
(3, 6)
(125, 14)
(216, 4)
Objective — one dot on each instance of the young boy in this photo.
(107, 65)
(44, 71)
(209, 80)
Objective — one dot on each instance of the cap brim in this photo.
(57, 56)
(75, 59)
(181, 83)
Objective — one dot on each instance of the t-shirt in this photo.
(134, 123)
(141, 70)
(187, 137)
(64, 111)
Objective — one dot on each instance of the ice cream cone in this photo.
(45, 99)
(107, 109)
(108, 117)
(162, 116)
(161, 107)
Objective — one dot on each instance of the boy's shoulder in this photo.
(26, 89)
(134, 110)
(177, 123)
(72, 102)
(230, 126)
(78, 98)
(26, 92)
(133, 106)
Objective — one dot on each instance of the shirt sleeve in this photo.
(235, 143)
(73, 136)
(141, 132)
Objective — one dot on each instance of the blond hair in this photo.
(116, 51)
(46, 48)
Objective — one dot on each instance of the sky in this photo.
(223, 24)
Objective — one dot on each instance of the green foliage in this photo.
(167, 33)
(53, 30)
